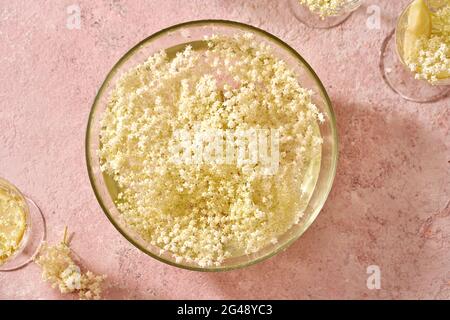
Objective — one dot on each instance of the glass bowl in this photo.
(172, 40)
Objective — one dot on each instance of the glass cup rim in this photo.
(285, 46)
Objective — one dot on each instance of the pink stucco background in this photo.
(389, 205)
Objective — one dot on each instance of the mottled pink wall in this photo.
(389, 205)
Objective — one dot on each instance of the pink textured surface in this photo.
(389, 205)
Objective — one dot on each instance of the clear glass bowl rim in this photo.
(282, 44)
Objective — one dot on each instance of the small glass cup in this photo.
(396, 73)
(314, 20)
(33, 235)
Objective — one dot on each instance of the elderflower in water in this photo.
(427, 42)
(13, 222)
(325, 8)
(206, 212)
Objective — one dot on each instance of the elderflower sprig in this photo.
(60, 270)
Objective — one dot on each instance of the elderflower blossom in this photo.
(431, 60)
(13, 224)
(207, 212)
(325, 8)
(60, 270)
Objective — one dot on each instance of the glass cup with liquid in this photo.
(323, 14)
(22, 228)
(414, 23)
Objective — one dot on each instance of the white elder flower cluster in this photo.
(431, 61)
(60, 270)
(13, 224)
(325, 8)
(205, 212)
